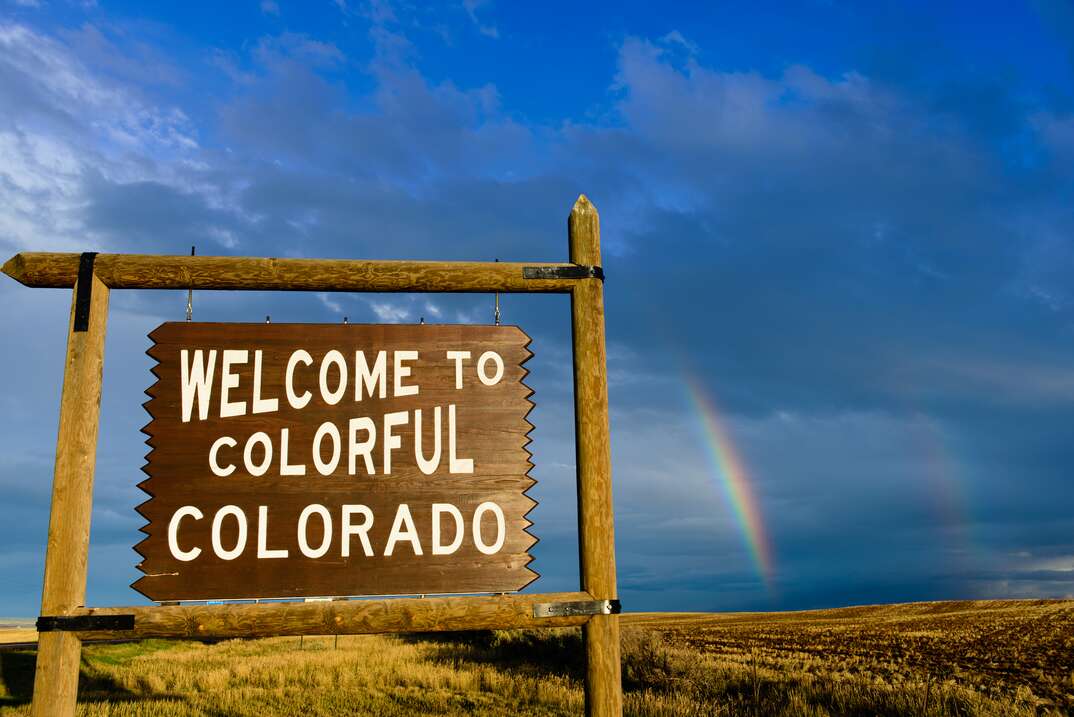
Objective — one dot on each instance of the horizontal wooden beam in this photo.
(146, 271)
(342, 617)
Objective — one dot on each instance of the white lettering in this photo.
(333, 358)
(240, 541)
(402, 372)
(263, 550)
(485, 358)
(501, 531)
(296, 401)
(438, 510)
(456, 465)
(257, 469)
(371, 379)
(288, 469)
(229, 380)
(428, 467)
(261, 405)
(195, 378)
(326, 429)
(363, 449)
(362, 530)
(402, 516)
(214, 465)
(392, 441)
(173, 533)
(458, 357)
(326, 541)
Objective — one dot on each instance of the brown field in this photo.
(956, 659)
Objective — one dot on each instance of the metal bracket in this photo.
(582, 607)
(84, 623)
(84, 290)
(576, 271)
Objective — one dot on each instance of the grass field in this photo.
(924, 659)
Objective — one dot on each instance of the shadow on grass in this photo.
(17, 676)
(555, 651)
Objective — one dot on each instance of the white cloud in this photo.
(677, 38)
(330, 303)
(486, 29)
(62, 122)
(388, 312)
(1016, 380)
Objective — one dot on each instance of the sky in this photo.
(837, 239)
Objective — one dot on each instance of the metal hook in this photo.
(496, 313)
(190, 296)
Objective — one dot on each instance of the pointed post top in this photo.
(583, 232)
(13, 267)
(583, 206)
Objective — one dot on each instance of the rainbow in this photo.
(946, 481)
(733, 477)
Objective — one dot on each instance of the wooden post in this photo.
(59, 653)
(596, 536)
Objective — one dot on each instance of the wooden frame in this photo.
(93, 276)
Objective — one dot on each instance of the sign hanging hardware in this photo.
(496, 313)
(84, 292)
(582, 607)
(84, 623)
(577, 271)
(190, 295)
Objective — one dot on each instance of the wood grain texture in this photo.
(144, 271)
(490, 427)
(596, 533)
(341, 617)
(64, 590)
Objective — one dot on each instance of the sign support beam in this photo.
(59, 653)
(334, 617)
(150, 271)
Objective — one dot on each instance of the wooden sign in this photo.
(294, 460)
(258, 481)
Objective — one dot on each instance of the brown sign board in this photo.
(298, 460)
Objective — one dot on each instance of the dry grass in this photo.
(364, 676)
(923, 660)
(9, 635)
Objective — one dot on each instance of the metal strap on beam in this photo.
(84, 623)
(582, 607)
(577, 271)
(84, 290)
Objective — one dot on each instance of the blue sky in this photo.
(847, 227)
